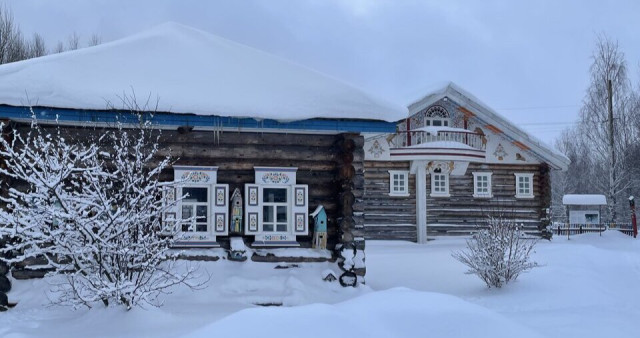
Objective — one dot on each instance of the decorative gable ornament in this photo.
(444, 167)
(500, 154)
(437, 111)
(376, 149)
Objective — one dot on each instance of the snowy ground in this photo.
(588, 287)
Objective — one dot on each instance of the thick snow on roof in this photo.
(189, 71)
(584, 200)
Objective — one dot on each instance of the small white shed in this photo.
(584, 209)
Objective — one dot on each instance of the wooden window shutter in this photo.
(300, 209)
(252, 208)
(170, 216)
(220, 209)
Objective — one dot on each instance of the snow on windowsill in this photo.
(399, 195)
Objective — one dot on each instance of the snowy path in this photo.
(588, 287)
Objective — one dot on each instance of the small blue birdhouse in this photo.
(320, 228)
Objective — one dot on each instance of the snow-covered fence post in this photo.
(350, 248)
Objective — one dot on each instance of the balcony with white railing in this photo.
(439, 143)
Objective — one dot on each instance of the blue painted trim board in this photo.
(173, 119)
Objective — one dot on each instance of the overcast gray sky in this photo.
(529, 60)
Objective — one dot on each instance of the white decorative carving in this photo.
(500, 153)
(376, 149)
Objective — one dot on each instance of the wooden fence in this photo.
(577, 229)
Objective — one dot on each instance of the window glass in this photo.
(195, 194)
(267, 213)
(282, 213)
(275, 195)
(275, 210)
(201, 214)
(187, 211)
(195, 209)
(439, 183)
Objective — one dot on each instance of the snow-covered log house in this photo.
(286, 138)
(451, 164)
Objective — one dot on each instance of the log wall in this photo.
(235, 154)
(388, 217)
(461, 213)
(394, 218)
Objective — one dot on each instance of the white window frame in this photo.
(476, 192)
(430, 121)
(403, 179)
(519, 194)
(194, 222)
(444, 193)
(286, 204)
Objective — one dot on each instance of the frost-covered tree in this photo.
(609, 65)
(93, 210)
(12, 46)
(95, 40)
(37, 47)
(499, 253)
(73, 41)
(598, 168)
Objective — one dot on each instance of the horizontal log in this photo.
(292, 152)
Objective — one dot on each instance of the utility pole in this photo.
(612, 156)
(632, 203)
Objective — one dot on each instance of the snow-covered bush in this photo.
(93, 210)
(499, 253)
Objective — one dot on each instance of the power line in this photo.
(540, 107)
(548, 123)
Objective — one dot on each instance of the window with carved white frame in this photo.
(398, 183)
(524, 185)
(276, 209)
(482, 185)
(437, 116)
(195, 209)
(440, 185)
